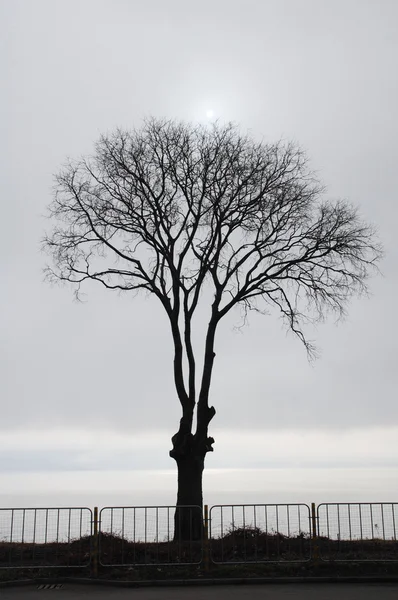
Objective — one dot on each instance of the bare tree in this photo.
(172, 208)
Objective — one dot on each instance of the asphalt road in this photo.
(304, 591)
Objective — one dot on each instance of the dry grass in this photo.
(265, 555)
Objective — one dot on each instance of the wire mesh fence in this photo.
(358, 531)
(45, 537)
(150, 535)
(260, 533)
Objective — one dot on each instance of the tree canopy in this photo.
(172, 207)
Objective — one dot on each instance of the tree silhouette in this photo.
(174, 208)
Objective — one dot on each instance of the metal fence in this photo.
(45, 537)
(229, 534)
(358, 531)
(258, 533)
(144, 535)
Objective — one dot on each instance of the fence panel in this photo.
(358, 531)
(145, 535)
(260, 533)
(45, 537)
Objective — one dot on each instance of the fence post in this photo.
(94, 556)
(206, 539)
(314, 536)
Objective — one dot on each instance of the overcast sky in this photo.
(88, 387)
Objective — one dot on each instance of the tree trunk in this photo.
(188, 521)
(189, 453)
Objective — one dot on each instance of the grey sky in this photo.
(319, 72)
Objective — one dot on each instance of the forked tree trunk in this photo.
(189, 450)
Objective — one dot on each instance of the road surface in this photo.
(298, 591)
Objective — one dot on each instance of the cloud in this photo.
(221, 486)
(370, 447)
(80, 450)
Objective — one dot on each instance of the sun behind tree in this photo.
(174, 207)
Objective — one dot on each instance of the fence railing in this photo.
(260, 533)
(148, 535)
(229, 534)
(358, 531)
(45, 537)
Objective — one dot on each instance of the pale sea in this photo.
(221, 487)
